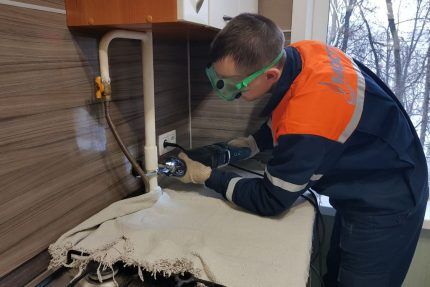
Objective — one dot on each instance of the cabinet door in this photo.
(248, 6)
(195, 11)
(279, 11)
(220, 11)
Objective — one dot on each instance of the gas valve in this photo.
(100, 88)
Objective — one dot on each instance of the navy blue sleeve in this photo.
(295, 166)
(263, 137)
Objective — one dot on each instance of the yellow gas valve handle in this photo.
(100, 88)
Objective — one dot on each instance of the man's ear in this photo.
(273, 75)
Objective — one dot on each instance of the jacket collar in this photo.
(292, 67)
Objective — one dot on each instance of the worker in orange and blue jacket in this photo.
(335, 127)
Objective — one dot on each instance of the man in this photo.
(334, 126)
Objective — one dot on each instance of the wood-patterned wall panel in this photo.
(59, 163)
(34, 45)
(58, 4)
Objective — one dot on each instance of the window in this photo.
(392, 38)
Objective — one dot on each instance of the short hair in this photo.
(252, 40)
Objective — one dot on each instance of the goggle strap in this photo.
(253, 76)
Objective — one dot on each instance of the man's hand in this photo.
(196, 172)
(248, 142)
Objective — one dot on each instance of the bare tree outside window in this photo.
(392, 38)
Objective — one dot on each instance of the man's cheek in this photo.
(246, 94)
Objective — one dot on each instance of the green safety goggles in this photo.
(228, 89)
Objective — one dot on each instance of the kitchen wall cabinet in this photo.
(279, 11)
(138, 15)
(221, 11)
(81, 13)
(299, 20)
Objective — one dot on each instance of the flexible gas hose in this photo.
(124, 149)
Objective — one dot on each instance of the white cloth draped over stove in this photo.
(187, 231)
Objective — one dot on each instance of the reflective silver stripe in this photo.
(230, 188)
(361, 86)
(288, 186)
(253, 145)
(316, 177)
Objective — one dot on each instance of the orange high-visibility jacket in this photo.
(336, 127)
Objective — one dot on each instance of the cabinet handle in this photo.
(227, 18)
(199, 4)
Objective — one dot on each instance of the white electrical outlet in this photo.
(169, 137)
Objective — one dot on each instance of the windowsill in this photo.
(327, 209)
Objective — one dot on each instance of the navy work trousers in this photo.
(373, 251)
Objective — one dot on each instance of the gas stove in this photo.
(121, 276)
